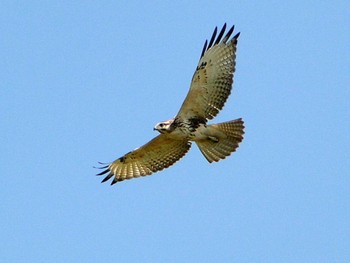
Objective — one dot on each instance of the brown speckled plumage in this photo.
(210, 87)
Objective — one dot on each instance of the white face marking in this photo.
(164, 126)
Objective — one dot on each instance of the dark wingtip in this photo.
(114, 182)
(216, 40)
(101, 167)
(235, 38)
(105, 165)
(204, 48)
(103, 172)
(228, 34)
(220, 35)
(109, 176)
(212, 37)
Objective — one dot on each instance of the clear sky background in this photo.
(85, 81)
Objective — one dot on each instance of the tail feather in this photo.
(224, 140)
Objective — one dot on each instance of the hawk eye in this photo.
(161, 125)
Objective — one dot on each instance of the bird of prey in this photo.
(210, 87)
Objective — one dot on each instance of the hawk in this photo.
(210, 87)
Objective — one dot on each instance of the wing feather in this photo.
(156, 155)
(213, 37)
(212, 81)
(220, 34)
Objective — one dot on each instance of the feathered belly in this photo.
(200, 133)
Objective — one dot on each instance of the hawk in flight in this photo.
(210, 87)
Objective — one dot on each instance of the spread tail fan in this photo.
(217, 148)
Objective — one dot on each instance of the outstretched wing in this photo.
(212, 81)
(159, 153)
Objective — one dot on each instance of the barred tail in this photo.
(227, 137)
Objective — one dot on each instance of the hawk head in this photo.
(164, 126)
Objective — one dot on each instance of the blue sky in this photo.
(86, 81)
